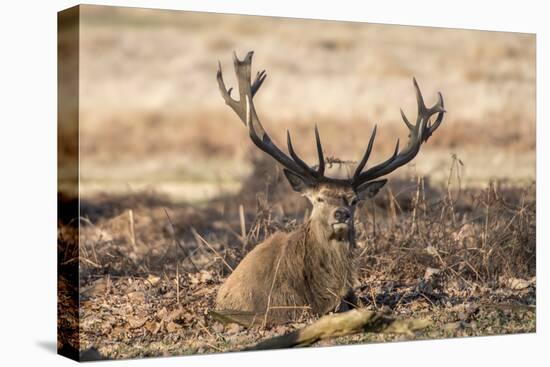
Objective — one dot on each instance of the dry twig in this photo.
(201, 239)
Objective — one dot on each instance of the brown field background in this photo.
(451, 239)
(151, 113)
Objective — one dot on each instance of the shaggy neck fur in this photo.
(329, 269)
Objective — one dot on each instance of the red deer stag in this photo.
(312, 266)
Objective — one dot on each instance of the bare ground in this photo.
(464, 259)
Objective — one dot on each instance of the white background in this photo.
(28, 182)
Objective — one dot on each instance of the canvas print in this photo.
(230, 183)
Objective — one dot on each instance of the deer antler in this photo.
(244, 108)
(418, 134)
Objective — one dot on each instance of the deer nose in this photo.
(341, 215)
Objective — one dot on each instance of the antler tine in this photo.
(266, 145)
(419, 99)
(260, 77)
(418, 133)
(424, 113)
(321, 168)
(409, 125)
(387, 161)
(366, 156)
(226, 94)
(244, 108)
(242, 69)
(295, 156)
(439, 118)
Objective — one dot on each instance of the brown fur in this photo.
(310, 267)
(294, 269)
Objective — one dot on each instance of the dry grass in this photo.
(464, 259)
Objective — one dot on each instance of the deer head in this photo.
(333, 199)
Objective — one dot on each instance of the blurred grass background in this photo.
(151, 114)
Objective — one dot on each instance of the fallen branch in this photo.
(340, 324)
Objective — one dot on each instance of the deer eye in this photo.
(320, 200)
(354, 201)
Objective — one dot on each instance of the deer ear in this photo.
(297, 182)
(370, 189)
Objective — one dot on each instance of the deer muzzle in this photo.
(341, 218)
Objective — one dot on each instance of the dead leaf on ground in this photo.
(136, 322)
(233, 329)
(137, 296)
(97, 288)
(217, 327)
(162, 313)
(518, 284)
(202, 277)
(172, 327)
(153, 279)
(152, 327)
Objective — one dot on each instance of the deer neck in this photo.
(328, 267)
